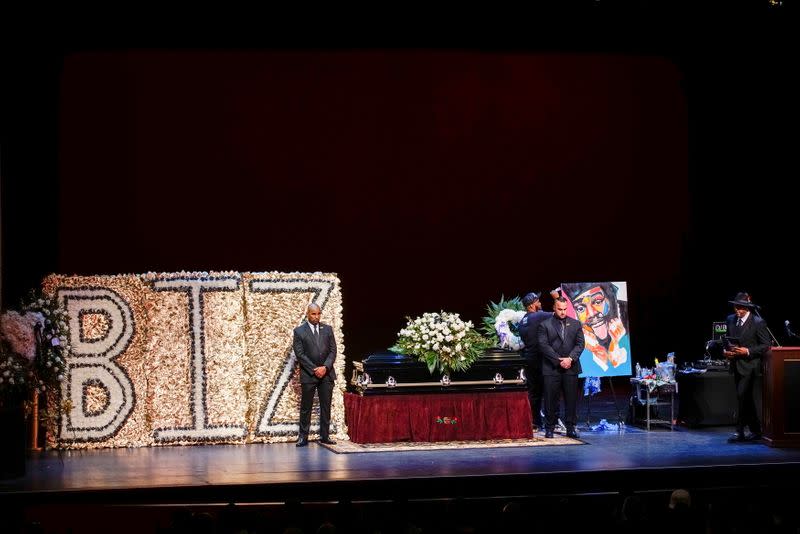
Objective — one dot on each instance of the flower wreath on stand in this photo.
(443, 341)
(34, 343)
(501, 325)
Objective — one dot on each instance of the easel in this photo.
(620, 419)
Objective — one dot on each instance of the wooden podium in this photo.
(782, 397)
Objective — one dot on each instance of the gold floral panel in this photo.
(276, 304)
(102, 397)
(189, 357)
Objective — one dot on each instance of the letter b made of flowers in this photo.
(92, 363)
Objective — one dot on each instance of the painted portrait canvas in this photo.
(602, 309)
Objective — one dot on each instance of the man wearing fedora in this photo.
(753, 343)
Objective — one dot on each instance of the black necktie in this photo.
(739, 323)
(563, 329)
(316, 332)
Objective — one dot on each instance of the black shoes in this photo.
(736, 438)
(741, 438)
(548, 434)
(572, 433)
(303, 442)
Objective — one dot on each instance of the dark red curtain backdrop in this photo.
(427, 180)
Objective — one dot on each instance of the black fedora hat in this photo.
(743, 299)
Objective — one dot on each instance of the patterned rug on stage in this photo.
(348, 447)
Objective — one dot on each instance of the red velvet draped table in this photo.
(438, 417)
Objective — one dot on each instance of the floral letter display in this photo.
(187, 358)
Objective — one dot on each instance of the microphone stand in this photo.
(789, 332)
(774, 339)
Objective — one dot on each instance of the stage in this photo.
(145, 489)
(633, 460)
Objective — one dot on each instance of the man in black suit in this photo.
(753, 343)
(561, 343)
(529, 332)
(315, 350)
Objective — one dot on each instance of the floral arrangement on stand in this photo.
(443, 341)
(34, 342)
(501, 324)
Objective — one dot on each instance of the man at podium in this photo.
(748, 340)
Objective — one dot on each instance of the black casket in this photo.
(390, 373)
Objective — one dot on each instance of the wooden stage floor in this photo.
(633, 460)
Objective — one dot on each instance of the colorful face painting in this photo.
(602, 309)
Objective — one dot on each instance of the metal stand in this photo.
(34, 424)
(647, 401)
(774, 339)
(620, 418)
(589, 412)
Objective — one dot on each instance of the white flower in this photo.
(458, 347)
(509, 315)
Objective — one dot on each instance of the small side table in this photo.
(662, 395)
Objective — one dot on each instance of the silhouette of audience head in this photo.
(680, 498)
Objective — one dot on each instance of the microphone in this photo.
(788, 329)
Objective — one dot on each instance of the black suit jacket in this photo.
(754, 336)
(529, 331)
(552, 347)
(311, 354)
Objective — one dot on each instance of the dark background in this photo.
(428, 178)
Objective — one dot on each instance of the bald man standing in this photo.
(315, 350)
